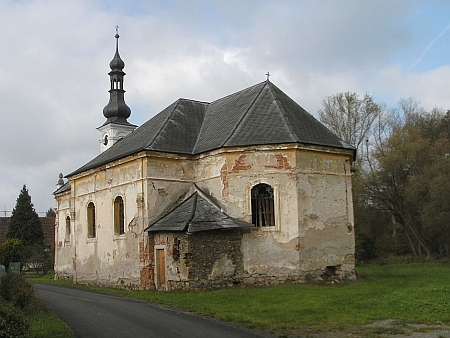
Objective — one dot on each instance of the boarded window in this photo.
(91, 220)
(119, 216)
(263, 213)
(67, 237)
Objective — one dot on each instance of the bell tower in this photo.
(116, 111)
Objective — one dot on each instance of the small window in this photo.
(263, 211)
(67, 237)
(91, 220)
(119, 216)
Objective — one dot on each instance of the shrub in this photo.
(17, 290)
(13, 322)
(11, 251)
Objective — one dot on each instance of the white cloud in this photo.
(55, 56)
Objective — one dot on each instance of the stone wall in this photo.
(207, 260)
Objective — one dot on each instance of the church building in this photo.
(249, 189)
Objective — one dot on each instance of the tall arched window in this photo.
(263, 211)
(119, 216)
(91, 220)
(67, 236)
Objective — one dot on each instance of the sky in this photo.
(55, 55)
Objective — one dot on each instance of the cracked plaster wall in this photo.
(313, 207)
(108, 258)
(326, 214)
(64, 250)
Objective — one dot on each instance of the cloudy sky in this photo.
(55, 58)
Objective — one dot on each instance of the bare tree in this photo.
(350, 116)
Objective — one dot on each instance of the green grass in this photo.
(45, 323)
(418, 293)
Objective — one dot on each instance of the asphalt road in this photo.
(95, 314)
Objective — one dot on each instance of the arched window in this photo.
(263, 211)
(67, 237)
(119, 216)
(91, 220)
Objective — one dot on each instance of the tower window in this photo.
(119, 216)
(263, 211)
(91, 220)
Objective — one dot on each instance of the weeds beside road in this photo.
(23, 315)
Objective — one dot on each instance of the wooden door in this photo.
(160, 269)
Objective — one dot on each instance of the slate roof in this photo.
(259, 115)
(65, 187)
(196, 214)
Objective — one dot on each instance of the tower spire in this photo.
(116, 111)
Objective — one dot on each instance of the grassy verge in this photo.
(22, 314)
(418, 293)
(45, 323)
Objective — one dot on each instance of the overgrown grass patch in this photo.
(45, 323)
(417, 293)
(24, 315)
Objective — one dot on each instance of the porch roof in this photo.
(196, 214)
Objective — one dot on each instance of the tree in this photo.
(411, 179)
(10, 251)
(24, 223)
(50, 213)
(401, 187)
(350, 116)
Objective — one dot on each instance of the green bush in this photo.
(11, 251)
(13, 322)
(17, 290)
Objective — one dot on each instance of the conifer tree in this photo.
(24, 223)
(50, 213)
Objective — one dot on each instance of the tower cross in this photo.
(268, 75)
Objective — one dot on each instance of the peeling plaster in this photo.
(314, 220)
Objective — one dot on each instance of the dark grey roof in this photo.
(64, 188)
(174, 130)
(259, 115)
(196, 214)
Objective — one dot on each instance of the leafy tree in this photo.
(24, 223)
(11, 251)
(410, 182)
(50, 213)
(401, 188)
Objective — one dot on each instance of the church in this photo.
(249, 189)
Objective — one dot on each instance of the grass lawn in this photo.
(417, 293)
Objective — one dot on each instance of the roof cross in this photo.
(117, 29)
(268, 74)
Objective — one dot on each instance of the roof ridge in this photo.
(194, 208)
(239, 91)
(245, 114)
(205, 196)
(283, 112)
(191, 100)
(200, 130)
(164, 124)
